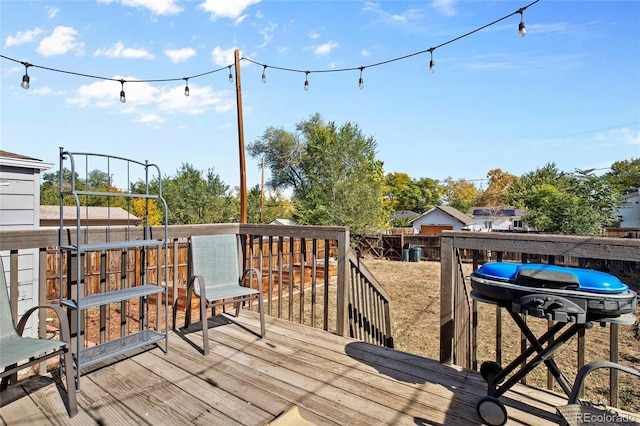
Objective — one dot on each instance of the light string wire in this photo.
(264, 66)
(429, 50)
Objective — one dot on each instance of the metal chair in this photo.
(220, 279)
(18, 352)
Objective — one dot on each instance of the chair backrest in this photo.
(216, 259)
(7, 327)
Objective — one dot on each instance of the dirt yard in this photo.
(414, 288)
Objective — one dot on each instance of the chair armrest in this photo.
(201, 285)
(256, 274)
(65, 334)
(592, 366)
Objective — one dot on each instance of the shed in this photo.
(20, 209)
(97, 216)
(441, 218)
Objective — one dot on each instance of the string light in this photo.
(123, 98)
(521, 29)
(432, 65)
(25, 77)
(186, 86)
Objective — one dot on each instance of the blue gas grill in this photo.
(574, 298)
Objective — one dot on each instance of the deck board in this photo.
(246, 380)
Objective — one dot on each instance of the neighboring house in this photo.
(441, 218)
(98, 216)
(19, 209)
(629, 214)
(498, 219)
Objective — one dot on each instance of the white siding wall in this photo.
(436, 217)
(20, 209)
(630, 213)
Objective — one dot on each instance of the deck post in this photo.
(447, 318)
(342, 325)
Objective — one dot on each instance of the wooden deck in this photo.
(249, 381)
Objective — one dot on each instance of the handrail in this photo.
(369, 306)
(287, 256)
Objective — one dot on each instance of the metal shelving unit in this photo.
(80, 241)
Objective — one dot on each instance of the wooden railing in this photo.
(459, 316)
(309, 273)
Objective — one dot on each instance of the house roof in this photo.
(18, 160)
(403, 213)
(283, 222)
(497, 212)
(450, 211)
(96, 214)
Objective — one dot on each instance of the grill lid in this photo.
(552, 276)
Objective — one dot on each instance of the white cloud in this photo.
(325, 48)
(223, 57)
(179, 55)
(23, 37)
(119, 51)
(446, 7)
(62, 40)
(267, 33)
(232, 9)
(51, 11)
(149, 104)
(313, 35)
(410, 15)
(365, 53)
(158, 7)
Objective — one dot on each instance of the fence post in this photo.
(447, 318)
(342, 325)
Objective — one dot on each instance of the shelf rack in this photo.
(76, 241)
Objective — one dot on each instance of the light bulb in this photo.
(360, 80)
(264, 75)
(432, 64)
(186, 87)
(123, 99)
(521, 29)
(306, 81)
(25, 81)
(230, 75)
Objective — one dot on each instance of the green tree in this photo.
(335, 177)
(193, 198)
(460, 194)
(404, 193)
(274, 206)
(625, 175)
(563, 203)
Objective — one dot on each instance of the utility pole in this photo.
(262, 191)
(243, 168)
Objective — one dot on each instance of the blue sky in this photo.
(568, 92)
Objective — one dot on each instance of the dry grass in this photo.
(414, 288)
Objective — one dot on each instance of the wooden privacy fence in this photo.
(459, 315)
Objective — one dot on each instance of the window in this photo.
(517, 224)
